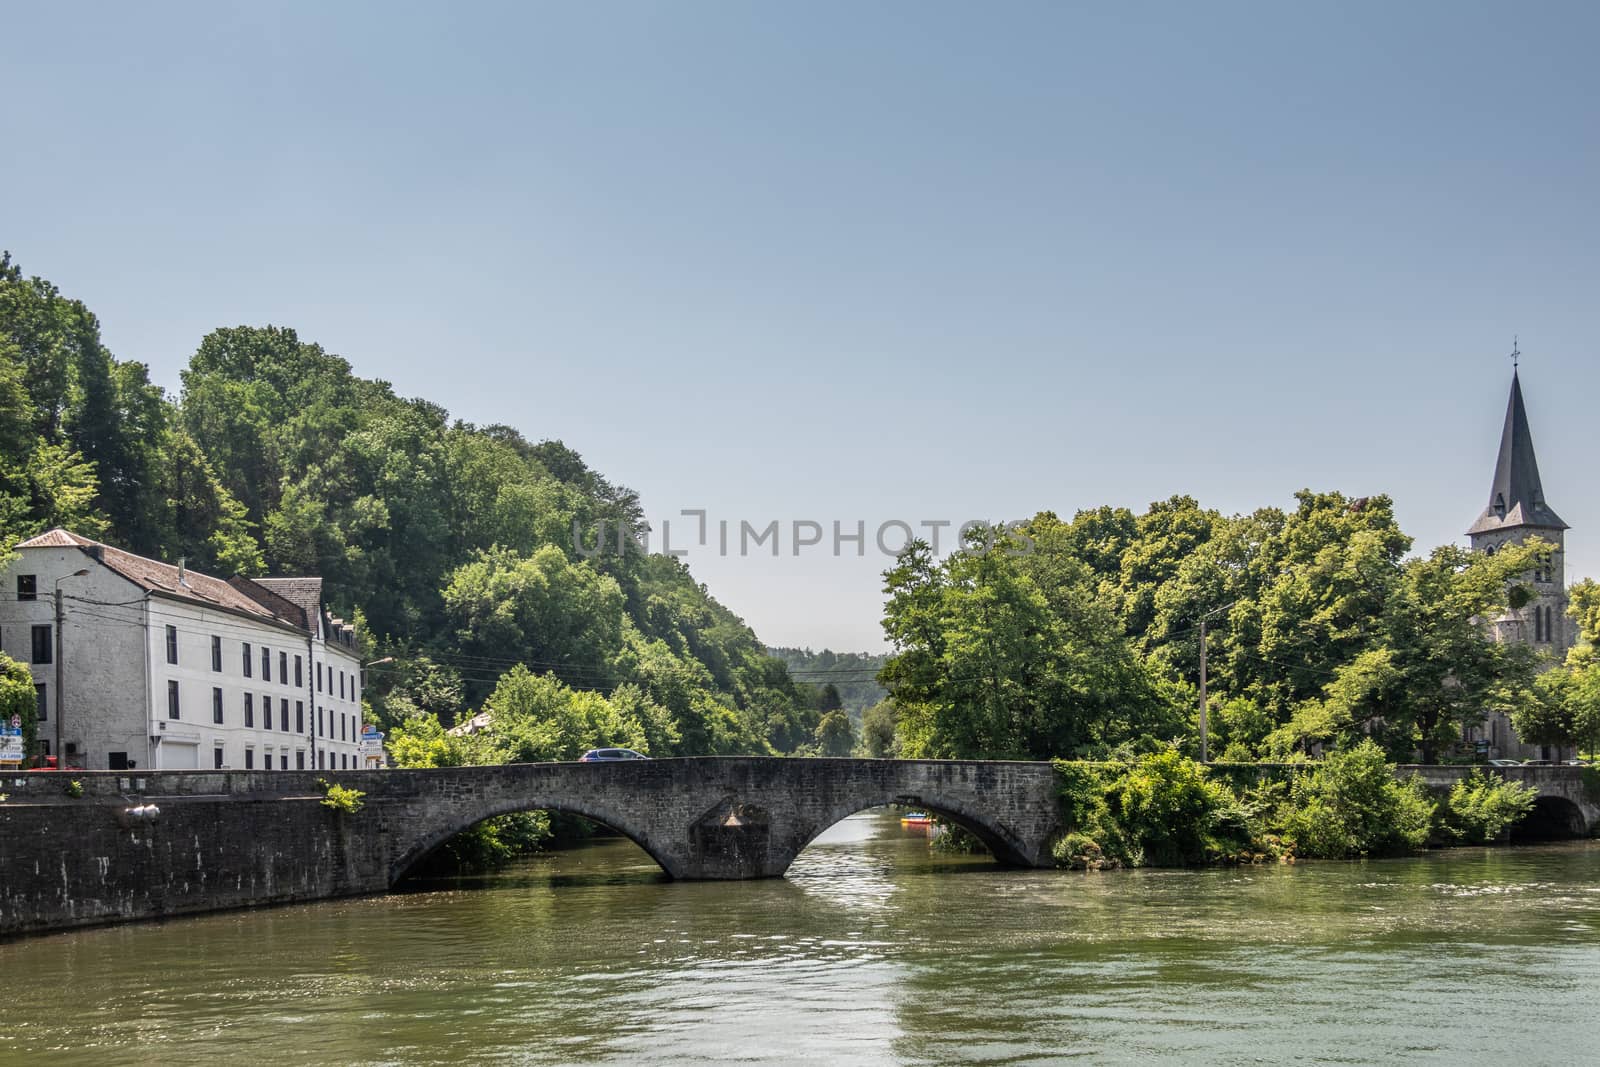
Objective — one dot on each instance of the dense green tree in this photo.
(835, 736)
(878, 724)
(987, 665)
(541, 609)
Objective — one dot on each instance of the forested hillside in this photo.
(853, 675)
(449, 543)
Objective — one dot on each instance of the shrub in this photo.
(491, 843)
(1482, 808)
(74, 789)
(1352, 805)
(1079, 852)
(1169, 811)
(1163, 810)
(339, 798)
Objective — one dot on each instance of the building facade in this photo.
(1517, 512)
(141, 664)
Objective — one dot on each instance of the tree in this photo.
(987, 665)
(878, 731)
(18, 699)
(541, 609)
(835, 735)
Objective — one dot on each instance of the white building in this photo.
(160, 668)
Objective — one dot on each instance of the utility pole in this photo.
(1205, 755)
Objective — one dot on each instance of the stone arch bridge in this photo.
(174, 842)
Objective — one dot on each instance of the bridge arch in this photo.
(1003, 844)
(1553, 817)
(441, 832)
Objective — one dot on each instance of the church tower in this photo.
(1518, 511)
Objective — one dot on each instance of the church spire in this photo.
(1516, 498)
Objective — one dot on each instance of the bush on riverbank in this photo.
(1482, 809)
(1166, 810)
(1353, 805)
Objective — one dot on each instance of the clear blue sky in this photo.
(864, 261)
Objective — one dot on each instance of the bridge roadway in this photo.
(230, 839)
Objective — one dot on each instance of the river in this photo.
(871, 951)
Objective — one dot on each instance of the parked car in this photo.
(1537, 763)
(608, 755)
(1580, 763)
(1504, 763)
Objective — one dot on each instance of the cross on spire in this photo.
(1516, 353)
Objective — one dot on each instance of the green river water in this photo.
(871, 951)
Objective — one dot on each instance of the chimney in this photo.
(183, 574)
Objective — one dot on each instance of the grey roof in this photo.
(1516, 498)
(306, 593)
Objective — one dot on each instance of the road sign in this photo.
(11, 747)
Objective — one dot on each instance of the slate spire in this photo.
(1516, 498)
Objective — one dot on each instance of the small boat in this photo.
(916, 820)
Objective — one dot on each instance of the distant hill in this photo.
(853, 674)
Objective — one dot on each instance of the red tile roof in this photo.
(167, 580)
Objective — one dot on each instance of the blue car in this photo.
(608, 755)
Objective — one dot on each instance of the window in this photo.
(172, 645)
(249, 709)
(216, 653)
(266, 712)
(266, 664)
(299, 716)
(299, 676)
(41, 704)
(344, 762)
(341, 726)
(283, 667)
(283, 714)
(299, 759)
(218, 758)
(320, 760)
(249, 758)
(319, 722)
(172, 700)
(27, 587)
(247, 659)
(1538, 623)
(42, 650)
(117, 761)
(319, 677)
(341, 685)
(216, 705)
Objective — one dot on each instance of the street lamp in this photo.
(61, 756)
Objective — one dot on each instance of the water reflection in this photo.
(872, 951)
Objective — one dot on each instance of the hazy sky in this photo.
(869, 262)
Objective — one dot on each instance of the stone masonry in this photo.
(235, 839)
